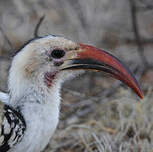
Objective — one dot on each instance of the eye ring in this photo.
(57, 53)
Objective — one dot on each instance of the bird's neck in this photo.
(39, 107)
(35, 92)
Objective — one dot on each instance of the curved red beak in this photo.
(89, 57)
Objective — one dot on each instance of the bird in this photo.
(29, 113)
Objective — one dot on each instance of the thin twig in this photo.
(36, 31)
(145, 8)
(147, 5)
(136, 31)
(144, 41)
(4, 58)
(74, 93)
(6, 38)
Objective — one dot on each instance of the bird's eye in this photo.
(57, 53)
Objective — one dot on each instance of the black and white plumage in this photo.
(12, 127)
(29, 114)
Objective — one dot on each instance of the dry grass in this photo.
(122, 124)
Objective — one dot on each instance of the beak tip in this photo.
(139, 93)
(141, 96)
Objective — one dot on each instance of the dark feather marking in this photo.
(12, 116)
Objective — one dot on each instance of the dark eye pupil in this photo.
(57, 53)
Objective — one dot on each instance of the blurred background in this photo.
(98, 113)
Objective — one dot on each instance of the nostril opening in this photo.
(57, 53)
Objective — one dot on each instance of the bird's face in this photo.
(54, 58)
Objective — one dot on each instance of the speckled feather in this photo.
(12, 127)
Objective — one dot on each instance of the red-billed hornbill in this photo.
(31, 114)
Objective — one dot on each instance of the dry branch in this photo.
(144, 41)
(36, 31)
(136, 31)
(6, 38)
